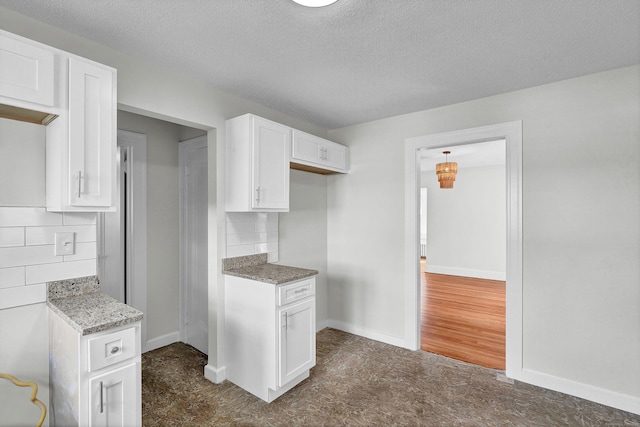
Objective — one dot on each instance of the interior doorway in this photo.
(463, 262)
(512, 134)
(145, 228)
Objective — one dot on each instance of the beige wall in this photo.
(581, 246)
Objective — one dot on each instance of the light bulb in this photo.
(315, 3)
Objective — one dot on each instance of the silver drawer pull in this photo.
(101, 399)
(299, 291)
(115, 349)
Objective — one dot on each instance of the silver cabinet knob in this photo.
(115, 349)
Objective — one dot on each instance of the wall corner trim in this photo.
(215, 375)
(366, 333)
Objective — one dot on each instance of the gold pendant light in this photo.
(446, 171)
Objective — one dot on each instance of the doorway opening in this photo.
(463, 260)
(512, 134)
(144, 267)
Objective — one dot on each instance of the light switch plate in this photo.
(65, 243)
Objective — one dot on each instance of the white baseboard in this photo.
(610, 398)
(466, 272)
(356, 330)
(161, 341)
(215, 375)
(321, 325)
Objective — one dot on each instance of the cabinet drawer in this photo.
(106, 350)
(296, 291)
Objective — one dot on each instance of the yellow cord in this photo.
(33, 398)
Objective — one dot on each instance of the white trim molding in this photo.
(366, 333)
(512, 133)
(215, 375)
(161, 341)
(603, 396)
(466, 272)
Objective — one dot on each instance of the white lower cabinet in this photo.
(95, 379)
(112, 397)
(270, 334)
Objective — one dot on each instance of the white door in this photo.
(113, 400)
(271, 154)
(194, 262)
(297, 340)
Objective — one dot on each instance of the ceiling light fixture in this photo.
(446, 171)
(315, 3)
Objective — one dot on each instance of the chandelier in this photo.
(446, 171)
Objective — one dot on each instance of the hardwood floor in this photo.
(464, 318)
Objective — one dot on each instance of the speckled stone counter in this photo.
(81, 304)
(255, 267)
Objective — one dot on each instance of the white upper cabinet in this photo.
(26, 72)
(92, 134)
(258, 153)
(314, 154)
(81, 143)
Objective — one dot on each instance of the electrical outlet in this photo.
(65, 243)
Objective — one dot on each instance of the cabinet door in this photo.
(297, 340)
(113, 399)
(26, 71)
(307, 147)
(336, 156)
(271, 150)
(92, 134)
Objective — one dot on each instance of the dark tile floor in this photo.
(360, 382)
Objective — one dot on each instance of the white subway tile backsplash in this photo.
(240, 227)
(45, 235)
(240, 250)
(27, 255)
(27, 259)
(60, 271)
(250, 233)
(11, 236)
(83, 251)
(79, 218)
(23, 295)
(10, 277)
(272, 257)
(18, 217)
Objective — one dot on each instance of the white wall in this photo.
(150, 89)
(24, 328)
(303, 233)
(580, 225)
(21, 163)
(467, 224)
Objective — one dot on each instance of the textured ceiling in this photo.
(360, 60)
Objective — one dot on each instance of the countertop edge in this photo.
(289, 278)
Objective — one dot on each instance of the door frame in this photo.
(183, 147)
(512, 133)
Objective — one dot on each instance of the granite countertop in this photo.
(81, 304)
(255, 267)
